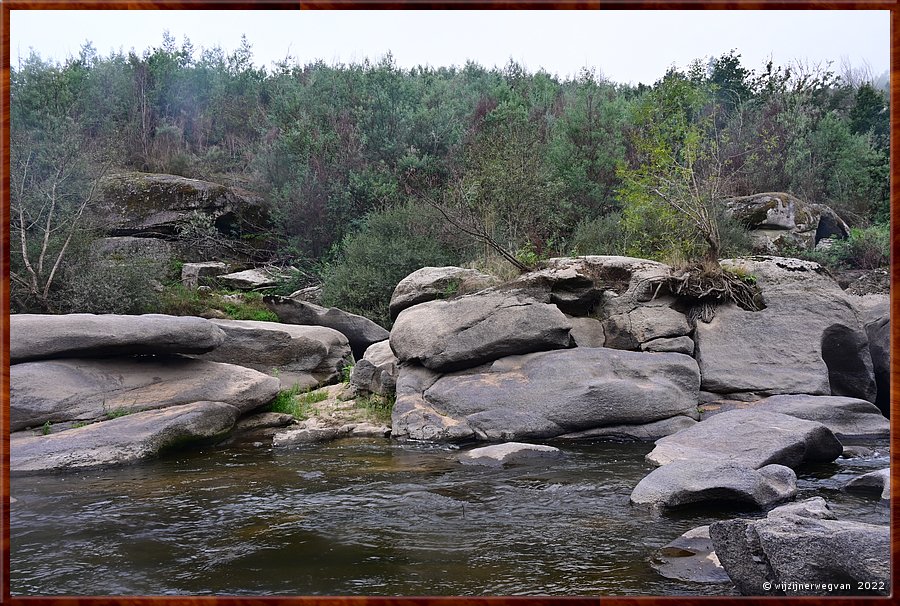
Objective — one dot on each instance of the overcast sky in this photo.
(625, 46)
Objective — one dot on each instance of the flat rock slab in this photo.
(430, 283)
(307, 356)
(463, 333)
(646, 432)
(124, 439)
(691, 482)
(42, 337)
(878, 482)
(547, 394)
(88, 390)
(510, 453)
(360, 332)
(312, 431)
(798, 555)
(690, 557)
(752, 438)
(845, 417)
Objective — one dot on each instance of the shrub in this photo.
(390, 245)
(866, 248)
(294, 402)
(110, 287)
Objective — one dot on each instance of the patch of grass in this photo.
(379, 407)
(46, 428)
(451, 289)
(78, 424)
(299, 404)
(117, 412)
(177, 300)
(346, 373)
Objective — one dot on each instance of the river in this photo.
(370, 517)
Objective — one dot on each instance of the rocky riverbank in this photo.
(586, 348)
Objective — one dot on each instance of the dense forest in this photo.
(370, 171)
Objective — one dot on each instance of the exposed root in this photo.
(708, 288)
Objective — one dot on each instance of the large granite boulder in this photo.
(149, 204)
(749, 437)
(690, 557)
(793, 553)
(690, 482)
(360, 332)
(588, 332)
(779, 221)
(644, 325)
(82, 390)
(561, 282)
(307, 356)
(41, 337)
(845, 417)
(124, 439)
(510, 453)
(545, 394)
(462, 333)
(430, 283)
(377, 371)
(808, 339)
(642, 432)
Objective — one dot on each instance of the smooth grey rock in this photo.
(309, 431)
(587, 332)
(689, 482)
(690, 557)
(845, 417)
(808, 339)
(368, 430)
(474, 329)
(878, 482)
(814, 507)
(646, 432)
(192, 274)
(249, 279)
(642, 324)
(360, 332)
(414, 418)
(510, 453)
(88, 390)
(857, 452)
(41, 337)
(564, 283)
(878, 331)
(749, 437)
(377, 371)
(430, 283)
(683, 345)
(799, 555)
(546, 394)
(307, 356)
(124, 439)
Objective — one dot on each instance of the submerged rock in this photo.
(509, 453)
(877, 482)
(690, 482)
(690, 557)
(124, 439)
(42, 337)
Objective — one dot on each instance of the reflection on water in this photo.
(362, 517)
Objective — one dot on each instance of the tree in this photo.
(54, 177)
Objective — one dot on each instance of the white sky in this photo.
(625, 46)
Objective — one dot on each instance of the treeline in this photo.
(372, 170)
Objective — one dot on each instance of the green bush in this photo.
(602, 236)
(390, 245)
(866, 248)
(106, 287)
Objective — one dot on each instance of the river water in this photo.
(369, 517)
